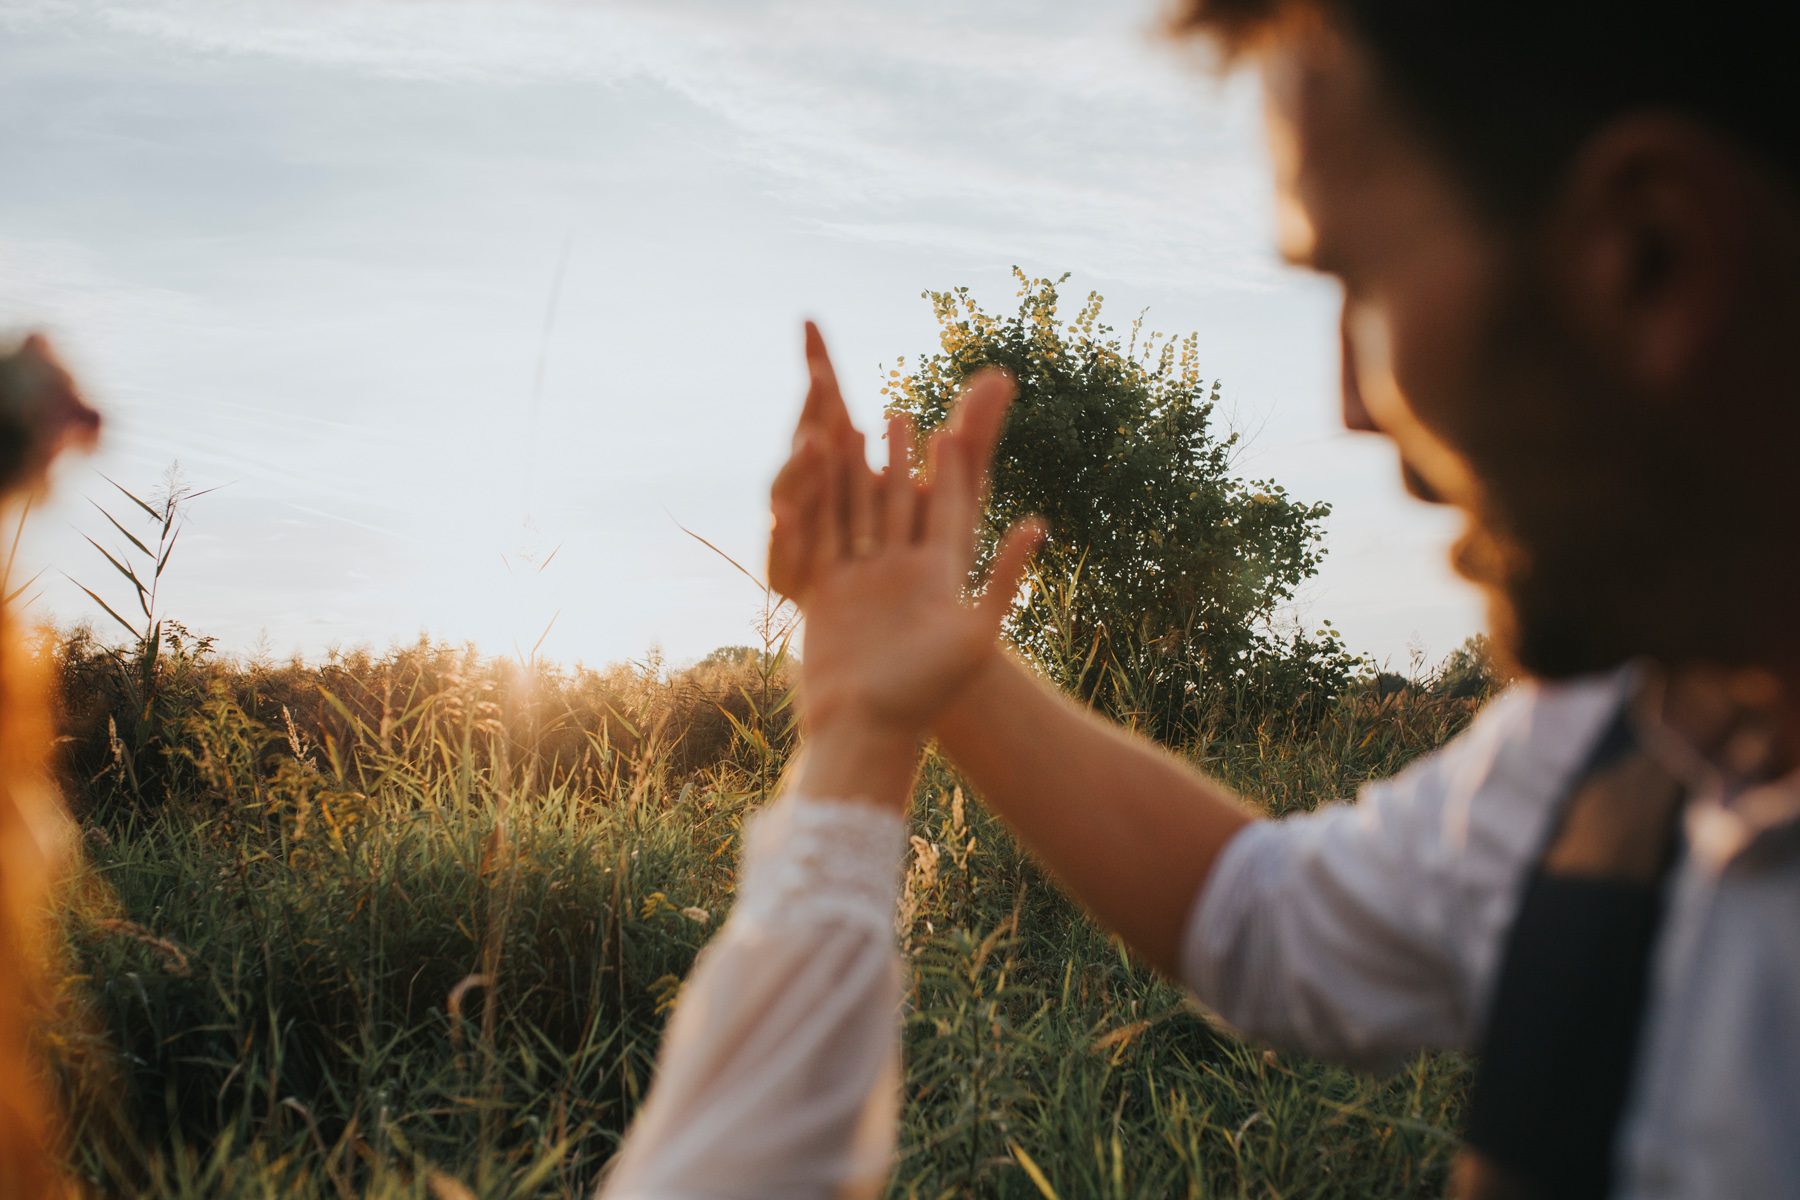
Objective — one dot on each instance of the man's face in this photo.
(1459, 349)
(1361, 200)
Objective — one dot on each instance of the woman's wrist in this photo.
(860, 760)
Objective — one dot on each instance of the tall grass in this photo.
(410, 925)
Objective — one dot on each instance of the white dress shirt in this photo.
(1368, 931)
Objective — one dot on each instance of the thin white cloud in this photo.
(308, 246)
(457, 43)
(867, 115)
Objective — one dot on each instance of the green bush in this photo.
(1154, 594)
(1470, 671)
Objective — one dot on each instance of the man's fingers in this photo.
(981, 414)
(824, 408)
(950, 507)
(963, 506)
(1016, 549)
(901, 439)
(901, 495)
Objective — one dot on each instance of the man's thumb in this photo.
(1016, 549)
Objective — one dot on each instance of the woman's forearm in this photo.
(1128, 828)
(779, 1072)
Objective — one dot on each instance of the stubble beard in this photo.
(1606, 526)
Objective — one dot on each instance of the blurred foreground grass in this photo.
(410, 926)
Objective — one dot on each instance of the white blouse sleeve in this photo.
(779, 1073)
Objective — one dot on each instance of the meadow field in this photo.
(410, 923)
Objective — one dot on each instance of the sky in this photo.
(469, 310)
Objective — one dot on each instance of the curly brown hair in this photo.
(1508, 90)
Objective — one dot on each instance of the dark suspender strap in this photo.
(1562, 1036)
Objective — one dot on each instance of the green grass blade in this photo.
(1033, 1170)
(167, 550)
(154, 515)
(18, 532)
(129, 628)
(127, 572)
(129, 536)
(14, 594)
(734, 562)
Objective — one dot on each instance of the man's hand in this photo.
(878, 564)
(892, 649)
(889, 638)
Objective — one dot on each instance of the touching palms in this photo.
(879, 563)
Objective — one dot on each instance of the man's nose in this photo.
(1356, 415)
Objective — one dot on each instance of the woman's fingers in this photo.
(851, 518)
(795, 530)
(825, 546)
(824, 409)
(900, 494)
(1016, 549)
(794, 502)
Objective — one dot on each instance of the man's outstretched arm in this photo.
(1127, 827)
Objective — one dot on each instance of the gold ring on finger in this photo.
(863, 546)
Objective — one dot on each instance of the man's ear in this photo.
(1648, 243)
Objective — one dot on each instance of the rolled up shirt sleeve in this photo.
(779, 1073)
(1367, 931)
